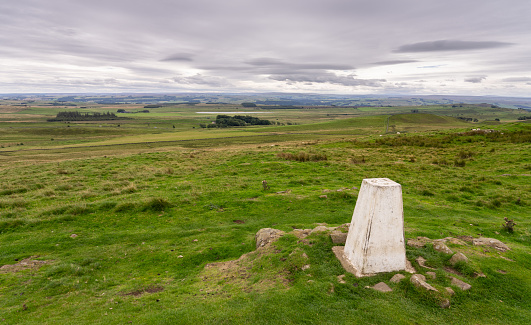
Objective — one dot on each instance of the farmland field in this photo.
(141, 220)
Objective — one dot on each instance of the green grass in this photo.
(150, 214)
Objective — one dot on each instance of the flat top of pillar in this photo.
(380, 182)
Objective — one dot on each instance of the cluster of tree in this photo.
(468, 119)
(77, 116)
(223, 121)
(248, 104)
(523, 118)
(121, 110)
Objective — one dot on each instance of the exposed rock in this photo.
(422, 262)
(301, 233)
(419, 281)
(479, 275)
(415, 243)
(445, 303)
(305, 267)
(450, 291)
(73, 236)
(458, 257)
(491, 242)
(455, 241)
(319, 229)
(323, 197)
(382, 287)
(441, 247)
(410, 268)
(266, 236)
(344, 227)
(340, 255)
(340, 278)
(432, 275)
(397, 278)
(24, 264)
(460, 284)
(338, 237)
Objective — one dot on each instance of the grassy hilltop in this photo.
(145, 220)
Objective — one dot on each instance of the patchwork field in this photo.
(152, 219)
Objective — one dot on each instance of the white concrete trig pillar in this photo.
(375, 241)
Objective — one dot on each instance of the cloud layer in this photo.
(336, 46)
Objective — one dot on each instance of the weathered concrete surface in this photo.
(375, 241)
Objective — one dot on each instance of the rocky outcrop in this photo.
(266, 236)
(490, 242)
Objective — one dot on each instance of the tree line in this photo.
(77, 116)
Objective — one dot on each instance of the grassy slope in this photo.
(129, 241)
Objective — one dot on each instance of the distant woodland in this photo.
(77, 116)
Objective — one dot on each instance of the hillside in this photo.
(158, 226)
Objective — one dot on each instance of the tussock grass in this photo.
(302, 156)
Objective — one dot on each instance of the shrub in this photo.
(156, 204)
(509, 225)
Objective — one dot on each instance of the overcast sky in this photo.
(467, 47)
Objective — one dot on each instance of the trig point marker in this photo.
(375, 241)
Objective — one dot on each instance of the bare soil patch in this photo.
(25, 264)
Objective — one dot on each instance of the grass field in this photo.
(143, 225)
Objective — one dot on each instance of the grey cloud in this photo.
(449, 45)
(179, 57)
(270, 62)
(200, 79)
(330, 78)
(517, 79)
(393, 62)
(475, 80)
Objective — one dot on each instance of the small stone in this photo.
(410, 268)
(445, 303)
(415, 243)
(419, 281)
(195, 240)
(422, 262)
(319, 229)
(397, 278)
(382, 287)
(305, 267)
(340, 278)
(458, 257)
(460, 284)
(432, 275)
(323, 196)
(180, 256)
(450, 291)
(73, 236)
(301, 233)
(441, 247)
(266, 236)
(338, 237)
